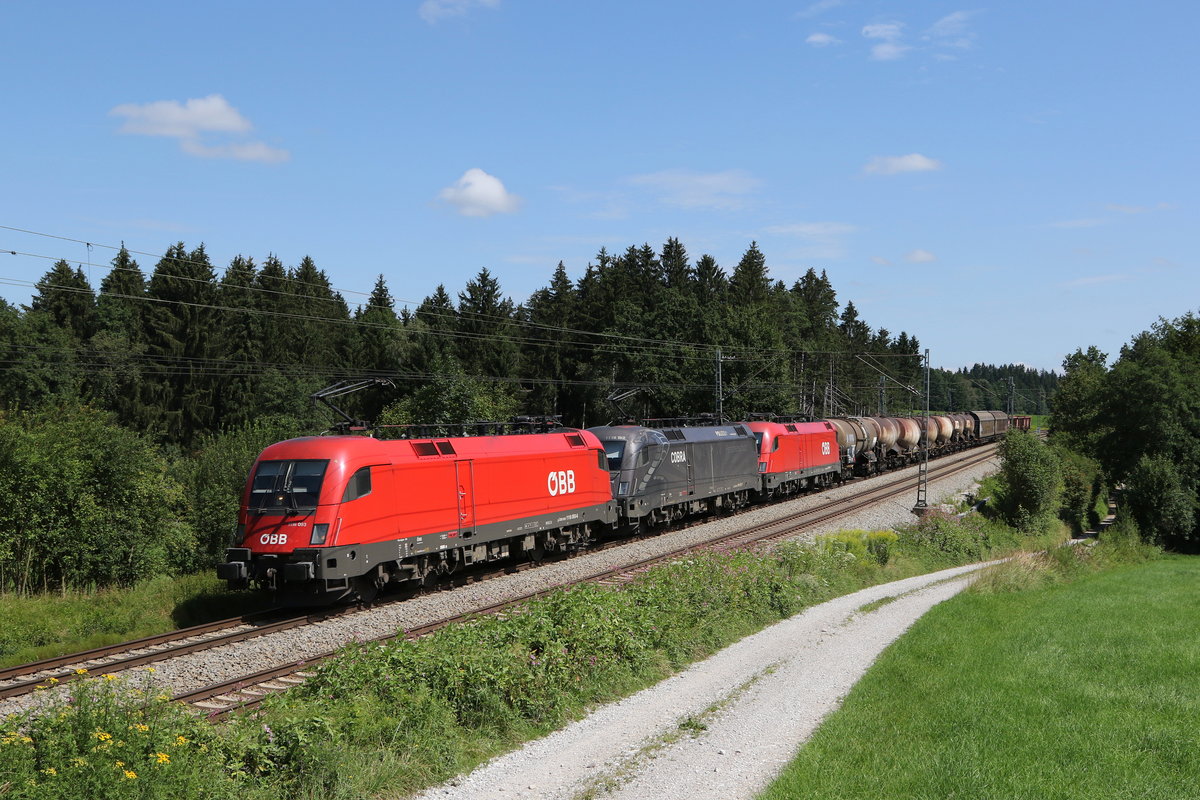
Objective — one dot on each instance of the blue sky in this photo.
(1007, 182)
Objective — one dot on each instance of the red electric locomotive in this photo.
(331, 517)
(795, 455)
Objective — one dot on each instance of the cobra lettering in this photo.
(273, 538)
(561, 482)
(678, 457)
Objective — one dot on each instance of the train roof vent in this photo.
(575, 440)
(739, 430)
(674, 435)
(445, 448)
(424, 448)
(790, 428)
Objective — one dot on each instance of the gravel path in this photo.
(188, 673)
(755, 703)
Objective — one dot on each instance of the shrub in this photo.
(85, 502)
(1029, 480)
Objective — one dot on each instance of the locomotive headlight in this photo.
(623, 488)
(762, 466)
(320, 531)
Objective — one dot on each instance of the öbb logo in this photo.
(561, 482)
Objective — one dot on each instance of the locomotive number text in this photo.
(561, 482)
(273, 538)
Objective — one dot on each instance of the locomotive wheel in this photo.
(365, 589)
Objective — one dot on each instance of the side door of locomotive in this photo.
(464, 481)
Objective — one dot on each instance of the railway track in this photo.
(248, 691)
(25, 678)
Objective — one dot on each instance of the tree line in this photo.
(185, 353)
(1139, 420)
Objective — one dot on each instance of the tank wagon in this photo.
(658, 475)
(323, 518)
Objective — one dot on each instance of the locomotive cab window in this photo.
(615, 452)
(358, 486)
(286, 487)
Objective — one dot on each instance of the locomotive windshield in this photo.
(614, 450)
(283, 487)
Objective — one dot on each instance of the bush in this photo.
(107, 739)
(1164, 508)
(875, 546)
(1029, 481)
(86, 502)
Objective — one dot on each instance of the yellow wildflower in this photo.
(120, 763)
(79, 762)
(81, 671)
(102, 736)
(49, 771)
(40, 688)
(130, 774)
(26, 740)
(108, 676)
(52, 680)
(151, 670)
(162, 758)
(141, 726)
(164, 697)
(181, 740)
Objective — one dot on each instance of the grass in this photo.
(43, 626)
(1079, 688)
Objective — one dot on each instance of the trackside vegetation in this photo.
(1063, 676)
(388, 719)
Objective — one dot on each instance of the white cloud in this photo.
(920, 257)
(817, 8)
(889, 51)
(822, 40)
(189, 120)
(193, 120)
(893, 165)
(952, 31)
(824, 238)
(1093, 280)
(434, 10)
(478, 194)
(889, 35)
(244, 151)
(883, 262)
(1124, 209)
(813, 230)
(687, 189)
(888, 31)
